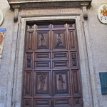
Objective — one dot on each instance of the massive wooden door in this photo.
(51, 66)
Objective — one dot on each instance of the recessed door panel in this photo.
(42, 40)
(59, 41)
(42, 78)
(61, 82)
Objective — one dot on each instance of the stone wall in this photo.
(95, 39)
(98, 46)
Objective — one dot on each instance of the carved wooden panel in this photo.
(29, 40)
(27, 102)
(63, 102)
(29, 60)
(51, 66)
(42, 78)
(61, 82)
(42, 40)
(59, 41)
(28, 83)
(73, 40)
(74, 60)
(42, 55)
(60, 63)
(42, 64)
(60, 60)
(42, 103)
(60, 55)
(76, 85)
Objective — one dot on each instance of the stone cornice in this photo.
(17, 5)
(30, 4)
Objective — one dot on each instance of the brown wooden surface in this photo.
(51, 75)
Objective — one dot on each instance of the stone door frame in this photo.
(84, 64)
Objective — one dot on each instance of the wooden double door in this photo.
(51, 66)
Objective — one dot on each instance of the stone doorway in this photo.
(51, 75)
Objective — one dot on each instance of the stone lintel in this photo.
(33, 4)
(17, 5)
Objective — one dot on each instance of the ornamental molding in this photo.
(17, 5)
(27, 4)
